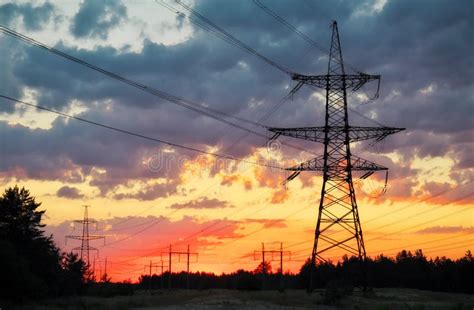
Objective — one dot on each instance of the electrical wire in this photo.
(208, 25)
(206, 111)
(131, 133)
(393, 212)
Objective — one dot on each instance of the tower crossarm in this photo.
(361, 164)
(317, 134)
(352, 81)
(89, 237)
(357, 164)
(315, 164)
(74, 237)
(359, 133)
(90, 248)
(95, 237)
(88, 221)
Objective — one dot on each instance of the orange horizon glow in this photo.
(256, 209)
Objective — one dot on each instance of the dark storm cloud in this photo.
(421, 48)
(95, 18)
(69, 192)
(33, 17)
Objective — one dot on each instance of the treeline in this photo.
(31, 265)
(407, 269)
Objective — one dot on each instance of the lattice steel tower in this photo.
(85, 248)
(338, 206)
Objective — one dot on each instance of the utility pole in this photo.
(105, 262)
(337, 206)
(93, 271)
(273, 253)
(179, 253)
(85, 238)
(162, 265)
(150, 266)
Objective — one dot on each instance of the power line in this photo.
(419, 201)
(218, 31)
(261, 119)
(294, 29)
(423, 213)
(427, 242)
(425, 250)
(396, 211)
(174, 99)
(208, 25)
(257, 230)
(413, 226)
(207, 111)
(427, 222)
(229, 157)
(220, 245)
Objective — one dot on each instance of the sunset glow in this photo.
(147, 195)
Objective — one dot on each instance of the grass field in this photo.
(389, 298)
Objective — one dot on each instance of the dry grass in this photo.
(257, 300)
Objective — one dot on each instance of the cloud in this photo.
(33, 17)
(202, 203)
(405, 38)
(149, 192)
(69, 192)
(268, 223)
(96, 18)
(230, 179)
(280, 196)
(446, 230)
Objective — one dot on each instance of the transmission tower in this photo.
(337, 206)
(85, 248)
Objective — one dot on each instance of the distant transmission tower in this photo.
(85, 248)
(338, 206)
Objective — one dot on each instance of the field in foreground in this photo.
(388, 298)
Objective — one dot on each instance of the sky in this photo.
(146, 195)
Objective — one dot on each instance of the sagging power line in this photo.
(205, 23)
(138, 135)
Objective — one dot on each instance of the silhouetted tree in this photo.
(263, 268)
(32, 265)
(20, 226)
(75, 274)
(105, 278)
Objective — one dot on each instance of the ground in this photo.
(387, 298)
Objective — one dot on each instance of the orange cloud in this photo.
(230, 179)
(280, 196)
